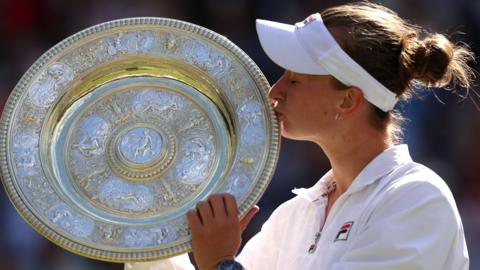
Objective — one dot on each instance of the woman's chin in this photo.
(286, 133)
(292, 134)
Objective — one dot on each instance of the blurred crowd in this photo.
(443, 132)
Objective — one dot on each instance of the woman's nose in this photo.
(277, 92)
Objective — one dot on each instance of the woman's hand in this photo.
(216, 230)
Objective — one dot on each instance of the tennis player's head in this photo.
(353, 63)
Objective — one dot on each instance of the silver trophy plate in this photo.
(117, 131)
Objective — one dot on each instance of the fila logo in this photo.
(344, 231)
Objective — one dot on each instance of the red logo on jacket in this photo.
(344, 231)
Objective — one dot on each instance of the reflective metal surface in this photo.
(116, 132)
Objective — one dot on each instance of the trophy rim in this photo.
(28, 213)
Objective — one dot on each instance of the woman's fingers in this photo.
(217, 205)
(230, 205)
(215, 228)
(205, 213)
(194, 220)
(219, 208)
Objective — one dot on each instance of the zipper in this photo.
(313, 247)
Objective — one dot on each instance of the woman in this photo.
(376, 208)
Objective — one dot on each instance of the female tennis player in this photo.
(345, 70)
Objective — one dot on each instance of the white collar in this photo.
(315, 193)
(380, 166)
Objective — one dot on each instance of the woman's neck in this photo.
(348, 155)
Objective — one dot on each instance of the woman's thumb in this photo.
(248, 217)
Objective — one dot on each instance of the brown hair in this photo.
(397, 54)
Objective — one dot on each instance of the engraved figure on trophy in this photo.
(61, 74)
(42, 195)
(165, 192)
(221, 65)
(197, 122)
(129, 41)
(194, 164)
(202, 55)
(251, 114)
(139, 237)
(118, 112)
(145, 144)
(251, 123)
(141, 145)
(46, 90)
(159, 102)
(236, 85)
(146, 41)
(109, 232)
(88, 56)
(93, 134)
(115, 46)
(238, 184)
(122, 196)
(169, 103)
(170, 43)
(32, 118)
(143, 237)
(62, 215)
(24, 149)
(93, 176)
(164, 234)
(209, 59)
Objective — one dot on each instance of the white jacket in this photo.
(397, 214)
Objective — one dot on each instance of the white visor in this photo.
(309, 48)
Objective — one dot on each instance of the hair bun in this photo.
(435, 61)
(431, 60)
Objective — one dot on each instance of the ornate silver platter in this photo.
(117, 131)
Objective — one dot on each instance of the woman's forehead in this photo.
(292, 74)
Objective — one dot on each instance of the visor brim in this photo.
(281, 45)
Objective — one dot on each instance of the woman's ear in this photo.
(352, 99)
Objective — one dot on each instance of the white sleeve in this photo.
(180, 262)
(262, 250)
(417, 226)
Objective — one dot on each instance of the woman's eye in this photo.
(293, 82)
